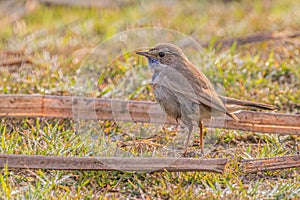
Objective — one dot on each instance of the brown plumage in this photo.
(185, 93)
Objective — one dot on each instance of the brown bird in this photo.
(185, 93)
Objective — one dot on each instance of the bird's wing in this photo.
(195, 91)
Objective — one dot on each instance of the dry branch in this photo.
(253, 38)
(135, 111)
(14, 61)
(265, 164)
(8, 58)
(112, 163)
(88, 3)
(145, 164)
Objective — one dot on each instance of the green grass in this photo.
(58, 38)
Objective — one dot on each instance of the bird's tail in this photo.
(233, 116)
(235, 104)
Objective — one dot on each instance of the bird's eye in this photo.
(161, 54)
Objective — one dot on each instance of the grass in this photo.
(58, 38)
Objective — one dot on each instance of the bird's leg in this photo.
(190, 127)
(180, 138)
(201, 136)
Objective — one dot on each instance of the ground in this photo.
(56, 40)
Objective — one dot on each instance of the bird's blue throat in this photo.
(152, 61)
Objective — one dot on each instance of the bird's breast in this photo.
(154, 77)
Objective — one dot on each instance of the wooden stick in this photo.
(143, 164)
(87, 3)
(13, 58)
(146, 164)
(265, 164)
(135, 111)
(14, 61)
(253, 38)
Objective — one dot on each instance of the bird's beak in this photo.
(143, 53)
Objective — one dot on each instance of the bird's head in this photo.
(165, 54)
